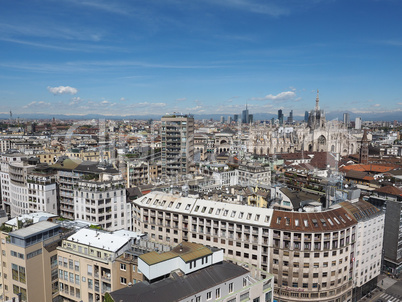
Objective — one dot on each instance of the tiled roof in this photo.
(368, 168)
(332, 220)
(360, 210)
(390, 190)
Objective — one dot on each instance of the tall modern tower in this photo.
(346, 119)
(280, 116)
(245, 116)
(290, 118)
(306, 116)
(177, 133)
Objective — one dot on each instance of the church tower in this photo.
(364, 149)
(316, 118)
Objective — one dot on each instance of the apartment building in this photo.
(87, 264)
(311, 254)
(66, 178)
(366, 258)
(69, 172)
(26, 186)
(177, 133)
(138, 173)
(193, 272)
(42, 190)
(103, 202)
(29, 263)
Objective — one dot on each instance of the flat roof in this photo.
(98, 239)
(36, 217)
(34, 229)
(187, 251)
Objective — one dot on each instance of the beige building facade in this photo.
(29, 263)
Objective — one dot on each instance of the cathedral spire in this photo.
(317, 100)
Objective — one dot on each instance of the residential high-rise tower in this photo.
(177, 144)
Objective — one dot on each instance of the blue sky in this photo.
(199, 56)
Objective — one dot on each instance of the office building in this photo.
(358, 123)
(306, 116)
(245, 116)
(310, 253)
(393, 235)
(346, 119)
(280, 117)
(177, 133)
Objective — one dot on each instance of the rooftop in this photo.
(36, 217)
(360, 209)
(177, 288)
(34, 229)
(186, 250)
(101, 240)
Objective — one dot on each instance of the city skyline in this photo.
(96, 57)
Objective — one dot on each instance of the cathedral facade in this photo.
(316, 136)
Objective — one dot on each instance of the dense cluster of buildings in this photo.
(187, 210)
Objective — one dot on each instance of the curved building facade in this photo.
(311, 255)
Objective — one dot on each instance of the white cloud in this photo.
(181, 99)
(400, 103)
(123, 99)
(36, 104)
(62, 90)
(75, 100)
(282, 96)
(376, 105)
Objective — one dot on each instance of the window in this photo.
(89, 270)
(218, 293)
(244, 282)
(209, 295)
(123, 280)
(231, 287)
(122, 266)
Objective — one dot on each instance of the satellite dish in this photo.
(346, 186)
